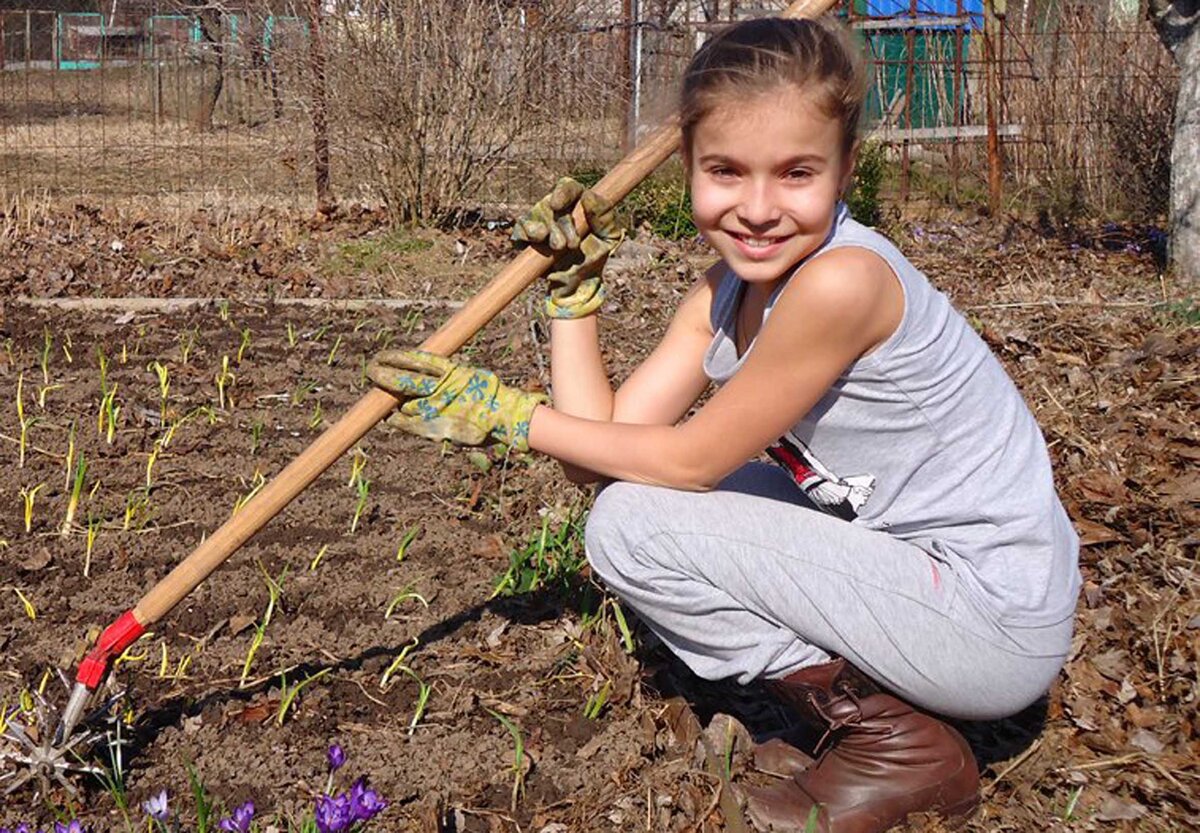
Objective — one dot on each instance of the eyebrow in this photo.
(800, 159)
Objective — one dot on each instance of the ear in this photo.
(848, 172)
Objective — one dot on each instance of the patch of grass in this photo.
(371, 254)
(1185, 312)
(551, 559)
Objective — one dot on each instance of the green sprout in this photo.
(518, 767)
(164, 386)
(596, 703)
(151, 459)
(47, 346)
(302, 390)
(110, 411)
(187, 343)
(27, 498)
(363, 487)
(137, 503)
(224, 380)
(43, 392)
(93, 530)
(28, 605)
(274, 592)
(402, 597)
(102, 360)
(256, 429)
(424, 689)
(317, 417)
(244, 345)
(398, 663)
(256, 485)
(289, 695)
(333, 352)
(410, 535)
(112, 779)
(67, 345)
(69, 462)
(357, 463)
(291, 334)
(623, 626)
(204, 803)
(312, 565)
(223, 310)
(76, 492)
(24, 423)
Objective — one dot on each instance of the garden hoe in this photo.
(51, 756)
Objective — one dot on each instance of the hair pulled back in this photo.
(756, 56)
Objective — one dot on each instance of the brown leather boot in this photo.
(882, 760)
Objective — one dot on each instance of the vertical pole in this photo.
(995, 164)
(910, 48)
(635, 116)
(320, 124)
(628, 131)
(957, 96)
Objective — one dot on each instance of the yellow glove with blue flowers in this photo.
(577, 290)
(449, 401)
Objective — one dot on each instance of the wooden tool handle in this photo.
(523, 270)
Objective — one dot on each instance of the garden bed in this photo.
(466, 706)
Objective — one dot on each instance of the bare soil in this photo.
(1104, 349)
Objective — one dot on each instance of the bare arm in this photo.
(660, 391)
(838, 307)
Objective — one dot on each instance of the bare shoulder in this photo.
(849, 290)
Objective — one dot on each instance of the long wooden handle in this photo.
(523, 270)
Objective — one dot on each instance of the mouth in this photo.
(756, 247)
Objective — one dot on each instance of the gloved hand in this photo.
(448, 401)
(577, 290)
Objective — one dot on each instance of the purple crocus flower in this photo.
(157, 807)
(240, 821)
(73, 827)
(365, 804)
(333, 814)
(336, 756)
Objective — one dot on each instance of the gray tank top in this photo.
(927, 439)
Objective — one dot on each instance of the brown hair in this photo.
(758, 55)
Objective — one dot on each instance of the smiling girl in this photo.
(905, 557)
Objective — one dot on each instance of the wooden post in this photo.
(320, 116)
(991, 28)
(910, 68)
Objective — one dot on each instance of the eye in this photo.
(798, 174)
(721, 172)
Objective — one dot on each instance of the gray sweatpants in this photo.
(750, 581)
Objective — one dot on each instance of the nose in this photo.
(758, 206)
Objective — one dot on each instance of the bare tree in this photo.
(1178, 24)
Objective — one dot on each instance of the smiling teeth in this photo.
(757, 242)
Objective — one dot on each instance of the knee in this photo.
(608, 537)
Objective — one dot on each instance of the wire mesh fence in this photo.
(478, 102)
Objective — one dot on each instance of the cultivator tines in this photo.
(30, 755)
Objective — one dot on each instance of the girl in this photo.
(906, 557)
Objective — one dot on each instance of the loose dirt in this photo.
(1103, 349)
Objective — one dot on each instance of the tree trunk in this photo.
(210, 31)
(1178, 24)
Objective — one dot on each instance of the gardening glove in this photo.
(449, 401)
(577, 290)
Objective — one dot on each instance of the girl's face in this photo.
(766, 174)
